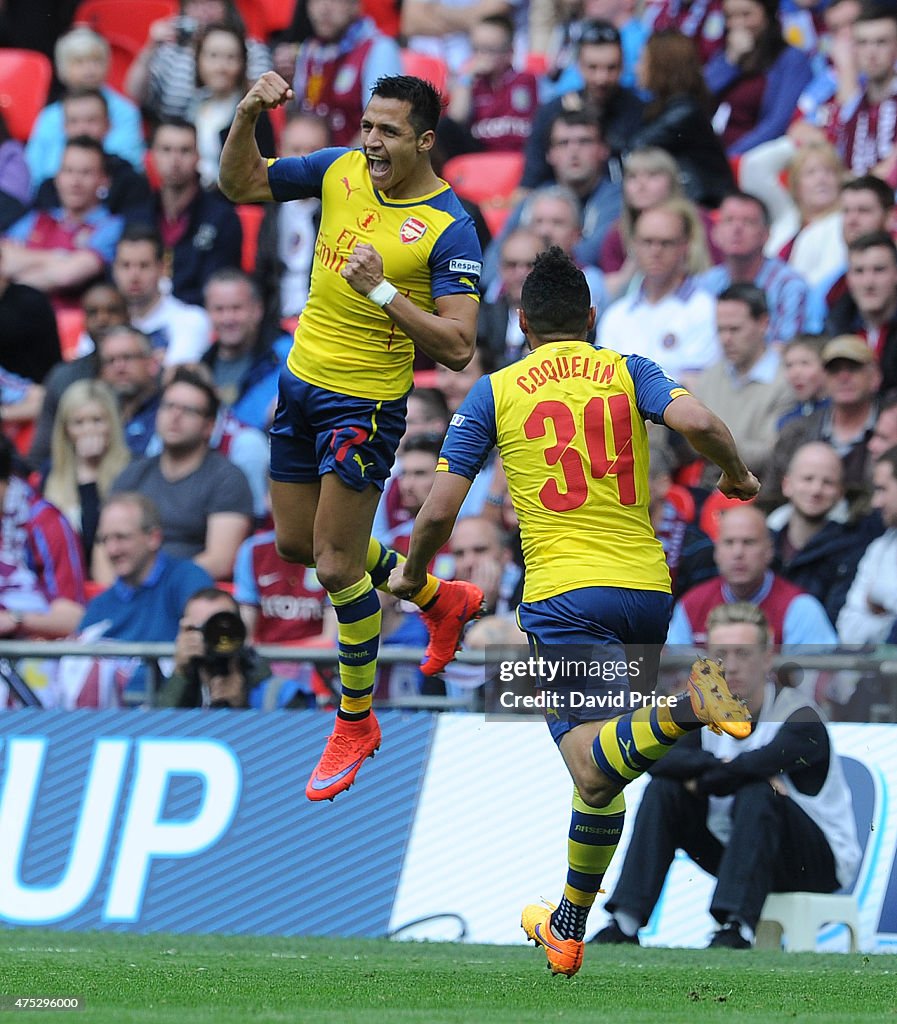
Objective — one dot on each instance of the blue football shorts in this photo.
(608, 628)
(316, 431)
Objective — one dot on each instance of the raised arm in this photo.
(710, 437)
(137, 79)
(243, 171)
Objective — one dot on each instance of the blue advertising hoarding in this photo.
(197, 821)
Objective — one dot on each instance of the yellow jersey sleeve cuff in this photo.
(679, 392)
(442, 466)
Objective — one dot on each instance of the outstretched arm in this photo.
(710, 437)
(432, 528)
(243, 171)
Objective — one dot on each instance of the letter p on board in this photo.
(146, 835)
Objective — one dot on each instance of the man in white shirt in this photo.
(180, 333)
(669, 319)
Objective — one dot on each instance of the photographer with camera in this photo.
(214, 667)
(162, 78)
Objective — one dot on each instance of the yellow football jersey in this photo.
(344, 342)
(569, 423)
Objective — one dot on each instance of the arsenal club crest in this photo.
(413, 230)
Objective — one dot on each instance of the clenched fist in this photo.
(268, 92)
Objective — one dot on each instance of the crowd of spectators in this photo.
(723, 173)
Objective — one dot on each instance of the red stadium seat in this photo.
(69, 324)
(262, 17)
(149, 169)
(495, 218)
(430, 69)
(251, 220)
(681, 499)
(385, 13)
(21, 435)
(711, 509)
(124, 22)
(93, 589)
(24, 82)
(122, 54)
(487, 179)
(690, 475)
(536, 64)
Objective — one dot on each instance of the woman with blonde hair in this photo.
(650, 177)
(87, 452)
(805, 208)
(698, 253)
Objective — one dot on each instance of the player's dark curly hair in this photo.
(555, 296)
(425, 99)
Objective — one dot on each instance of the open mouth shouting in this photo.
(379, 170)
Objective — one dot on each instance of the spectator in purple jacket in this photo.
(15, 180)
(757, 78)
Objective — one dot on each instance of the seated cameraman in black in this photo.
(213, 667)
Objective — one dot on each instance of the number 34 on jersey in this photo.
(569, 423)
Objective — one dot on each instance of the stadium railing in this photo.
(871, 663)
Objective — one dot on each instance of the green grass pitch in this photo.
(177, 979)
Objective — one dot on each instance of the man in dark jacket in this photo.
(619, 109)
(853, 381)
(201, 230)
(869, 309)
(815, 545)
(246, 357)
(768, 813)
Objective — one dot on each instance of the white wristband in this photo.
(383, 293)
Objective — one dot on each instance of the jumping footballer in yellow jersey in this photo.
(569, 424)
(396, 266)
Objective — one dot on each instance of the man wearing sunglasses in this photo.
(618, 109)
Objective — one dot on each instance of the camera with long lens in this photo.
(224, 639)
